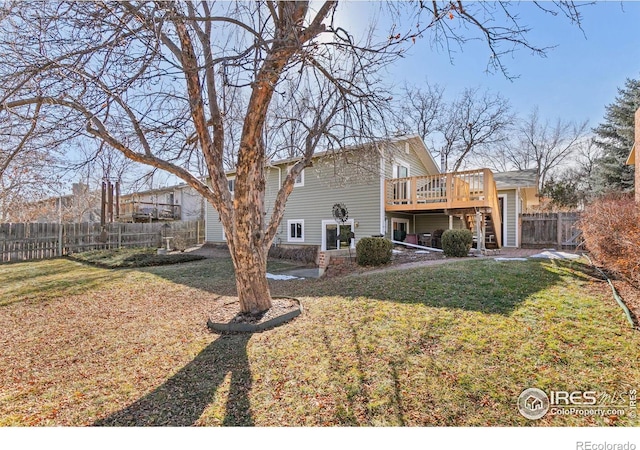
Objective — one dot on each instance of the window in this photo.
(400, 170)
(232, 185)
(295, 231)
(401, 189)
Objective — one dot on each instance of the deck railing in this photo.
(447, 190)
(144, 211)
(454, 190)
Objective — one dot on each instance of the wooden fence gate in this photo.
(26, 241)
(558, 230)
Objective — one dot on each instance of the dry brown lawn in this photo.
(449, 345)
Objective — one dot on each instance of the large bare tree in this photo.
(459, 129)
(539, 144)
(224, 85)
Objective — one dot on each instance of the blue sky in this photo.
(575, 81)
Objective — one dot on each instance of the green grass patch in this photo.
(132, 258)
(449, 345)
(48, 279)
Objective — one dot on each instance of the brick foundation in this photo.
(340, 265)
(336, 262)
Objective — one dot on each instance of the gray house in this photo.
(395, 189)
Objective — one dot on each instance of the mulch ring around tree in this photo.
(227, 319)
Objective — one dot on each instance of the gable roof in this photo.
(414, 140)
(516, 179)
(425, 156)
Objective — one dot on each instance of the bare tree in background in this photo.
(540, 145)
(27, 168)
(153, 80)
(473, 122)
(459, 130)
(421, 109)
(574, 186)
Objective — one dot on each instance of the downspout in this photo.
(279, 174)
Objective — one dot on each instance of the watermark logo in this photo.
(533, 403)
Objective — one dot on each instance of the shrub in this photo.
(373, 251)
(132, 257)
(306, 254)
(611, 230)
(180, 243)
(457, 243)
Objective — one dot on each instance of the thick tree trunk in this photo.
(250, 265)
(249, 246)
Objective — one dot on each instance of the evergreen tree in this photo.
(615, 137)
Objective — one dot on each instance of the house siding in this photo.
(354, 181)
(326, 185)
(352, 177)
(191, 204)
(213, 227)
(397, 153)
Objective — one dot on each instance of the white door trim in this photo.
(332, 222)
(505, 219)
(399, 220)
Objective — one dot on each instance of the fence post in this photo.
(60, 239)
(119, 236)
(559, 229)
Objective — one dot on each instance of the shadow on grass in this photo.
(182, 399)
(486, 286)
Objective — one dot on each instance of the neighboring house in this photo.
(180, 202)
(632, 159)
(394, 189)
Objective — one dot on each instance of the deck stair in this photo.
(487, 228)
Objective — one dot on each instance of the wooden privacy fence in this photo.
(558, 230)
(26, 241)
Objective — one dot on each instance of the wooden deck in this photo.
(137, 211)
(463, 191)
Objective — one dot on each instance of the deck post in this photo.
(479, 231)
(449, 188)
(413, 190)
(484, 231)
